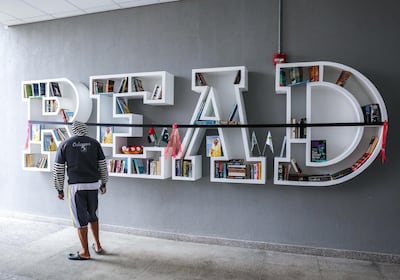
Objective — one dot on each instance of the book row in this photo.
(139, 166)
(301, 75)
(237, 169)
(183, 168)
(292, 172)
(146, 166)
(372, 113)
(110, 86)
(201, 79)
(40, 90)
(36, 160)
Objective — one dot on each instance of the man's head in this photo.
(79, 128)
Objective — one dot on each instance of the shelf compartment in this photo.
(36, 162)
(343, 107)
(187, 169)
(330, 101)
(155, 88)
(54, 95)
(237, 171)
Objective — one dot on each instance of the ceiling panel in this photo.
(14, 12)
(51, 6)
(18, 9)
(90, 4)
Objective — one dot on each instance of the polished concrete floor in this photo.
(38, 250)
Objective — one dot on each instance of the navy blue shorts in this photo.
(83, 206)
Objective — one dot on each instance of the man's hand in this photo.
(61, 195)
(103, 188)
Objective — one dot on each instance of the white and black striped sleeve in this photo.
(59, 176)
(103, 171)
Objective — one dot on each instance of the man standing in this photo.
(86, 166)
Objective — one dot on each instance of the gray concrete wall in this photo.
(359, 215)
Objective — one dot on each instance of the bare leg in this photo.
(94, 226)
(83, 237)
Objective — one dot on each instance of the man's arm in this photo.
(58, 178)
(102, 164)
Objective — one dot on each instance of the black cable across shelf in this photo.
(263, 125)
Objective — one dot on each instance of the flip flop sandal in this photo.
(97, 252)
(77, 257)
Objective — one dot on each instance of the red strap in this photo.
(384, 133)
(28, 135)
(178, 138)
(174, 142)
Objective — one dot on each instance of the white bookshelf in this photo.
(323, 101)
(44, 106)
(152, 161)
(216, 101)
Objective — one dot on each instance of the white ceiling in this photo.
(14, 12)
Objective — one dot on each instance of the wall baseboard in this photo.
(260, 245)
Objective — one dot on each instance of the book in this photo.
(298, 177)
(48, 143)
(213, 146)
(233, 113)
(98, 87)
(156, 92)
(27, 90)
(42, 89)
(124, 105)
(360, 162)
(372, 113)
(137, 84)
(371, 147)
(110, 85)
(238, 77)
(295, 166)
(120, 106)
(284, 170)
(67, 115)
(372, 144)
(319, 177)
(206, 122)
(343, 77)
(123, 87)
(295, 75)
(342, 173)
(64, 116)
(35, 89)
(282, 78)
(63, 132)
(106, 134)
(318, 150)
(314, 73)
(36, 131)
(139, 166)
(51, 105)
(55, 89)
(200, 80)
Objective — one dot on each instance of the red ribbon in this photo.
(28, 136)
(175, 141)
(384, 133)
